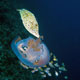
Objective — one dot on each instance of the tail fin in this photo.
(18, 9)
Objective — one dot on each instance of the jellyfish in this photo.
(29, 21)
(34, 54)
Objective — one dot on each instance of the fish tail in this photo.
(18, 9)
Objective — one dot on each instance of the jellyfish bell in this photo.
(31, 52)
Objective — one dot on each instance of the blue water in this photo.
(59, 22)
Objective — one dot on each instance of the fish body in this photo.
(29, 21)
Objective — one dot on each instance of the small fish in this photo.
(40, 68)
(48, 68)
(49, 74)
(51, 54)
(26, 67)
(45, 65)
(51, 62)
(46, 71)
(56, 65)
(62, 68)
(56, 73)
(33, 71)
(44, 75)
(54, 58)
(51, 65)
(41, 72)
(66, 77)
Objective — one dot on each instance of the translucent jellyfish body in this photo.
(34, 55)
(31, 52)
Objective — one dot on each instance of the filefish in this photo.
(29, 21)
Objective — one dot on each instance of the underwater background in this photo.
(59, 23)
